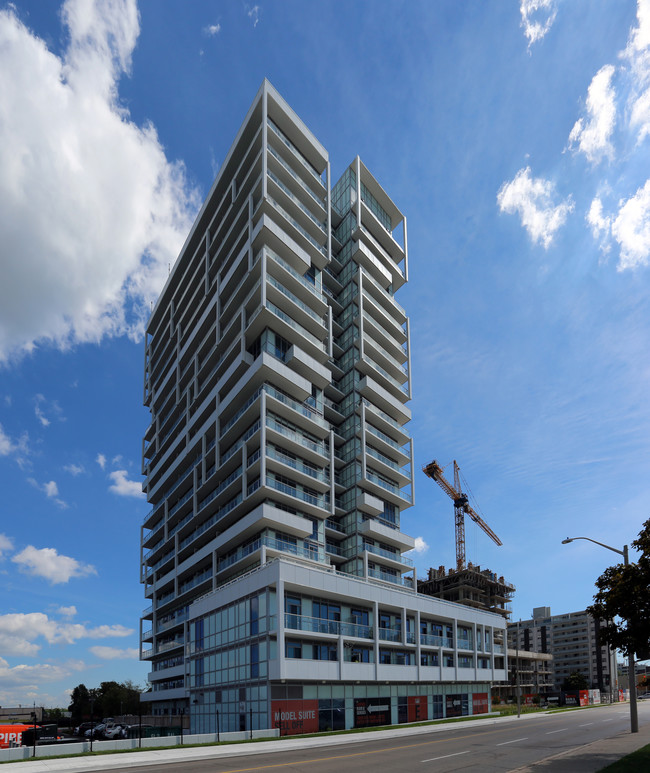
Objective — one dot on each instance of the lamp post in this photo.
(634, 717)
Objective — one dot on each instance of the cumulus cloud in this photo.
(533, 199)
(74, 469)
(88, 199)
(637, 55)
(420, 545)
(20, 632)
(50, 565)
(6, 545)
(123, 486)
(114, 653)
(537, 17)
(31, 676)
(631, 229)
(591, 136)
(600, 223)
(212, 29)
(101, 460)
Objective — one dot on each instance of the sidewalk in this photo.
(585, 759)
(593, 756)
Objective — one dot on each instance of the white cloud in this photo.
(533, 198)
(537, 17)
(67, 611)
(6, 545)
(32, 676)
(637, 54)
(9, 447)
(50, 565)
(115, 653)
(123, 486)
(19, 632)
(74, 469)
(212, 29)
(39, 411)
(592, 136)
(631, 229)
(254, 14)
(88, 198)
(101, 460)
(601, 224)
(51, 491)
(420, 545)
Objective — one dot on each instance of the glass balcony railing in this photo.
(302, 408)
(302, 331)
(312, 554)
(320, 500)
(319, 625)
(294, 299)
(318, 223)
(318, 447)
(300, 182)
(291, 270)
(296, 225)
(296, 464)
(386, 554)
(308, 166)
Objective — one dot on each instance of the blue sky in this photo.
(515, 137)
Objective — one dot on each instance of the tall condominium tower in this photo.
(278, 465)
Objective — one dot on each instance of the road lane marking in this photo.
(587, 725)
(367, 753)
(444, 757)
(564, 729)
(516, 740)
(608, 720)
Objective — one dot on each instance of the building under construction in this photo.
(472, 586)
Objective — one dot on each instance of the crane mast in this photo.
(461, 506)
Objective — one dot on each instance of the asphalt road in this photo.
(483, 748)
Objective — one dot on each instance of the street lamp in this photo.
(634, 717)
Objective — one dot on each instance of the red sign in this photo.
(480, 703)
(295, 717)
(9, 733)
(417, 708)
(584, 697)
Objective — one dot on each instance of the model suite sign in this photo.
(295, 717)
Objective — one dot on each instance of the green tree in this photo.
(622, 604)
(575, 681)
(109, 699)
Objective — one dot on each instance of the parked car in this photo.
(81, 729)
(97, 731)
(114, 732)
(133, 731)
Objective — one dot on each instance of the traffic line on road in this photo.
(587, 725)
(563, 730)
(444, 757)
(516, 740)
(608, 720)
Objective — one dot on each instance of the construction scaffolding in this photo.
(471, 586)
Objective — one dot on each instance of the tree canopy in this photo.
(109, 699)
(622, 603)
(575, 681)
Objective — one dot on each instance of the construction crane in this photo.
(461, 506)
